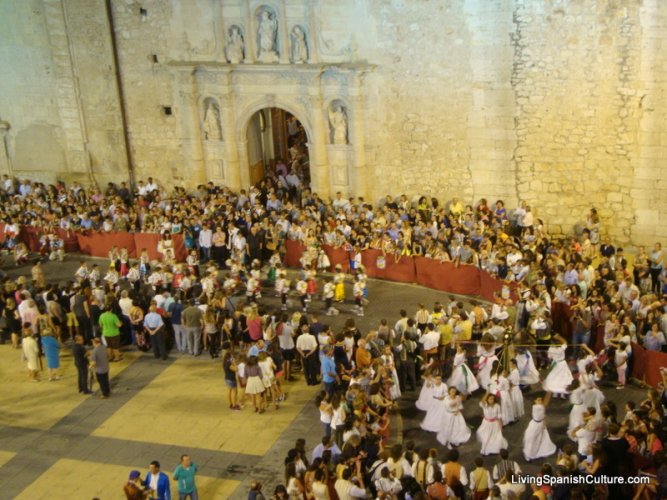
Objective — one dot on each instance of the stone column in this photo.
(319, 166)
(249, 35)
(283, 35)
(243, 163)
(232, 166)
(357, 139)
(5, 160)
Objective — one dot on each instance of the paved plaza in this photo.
(58, 444)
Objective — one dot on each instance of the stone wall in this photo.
(559, 103)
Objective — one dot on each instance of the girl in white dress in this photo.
(388, 362)
(578, 408)
(487, 355)
(453, 429)
(591, 395)
(425, 400)
(536, 440)
(559, 377)
(435, 413)
(527, 371)
(515, 391)
(506, 404)
(490, 433)
(462, 378)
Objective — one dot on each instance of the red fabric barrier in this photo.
(369, 261)
(490, 285)
(30, 236)
(293, 251)
(445, 276)
(180, 251)
(99, 244)
(2, 234)
(148, 241)
(402, 270)
(69, 239)
(646, 365)
(337, 256)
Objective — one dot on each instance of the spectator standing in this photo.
(185, 475)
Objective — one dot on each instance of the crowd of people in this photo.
(214, 302)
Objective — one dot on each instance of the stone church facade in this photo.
(561, 103)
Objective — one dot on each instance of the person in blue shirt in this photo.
(328, 368)
(158, 482)
(185, 475)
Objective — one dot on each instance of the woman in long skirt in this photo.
(462, 378)
(389, 364)
(592, 396)
(487, 355)
(559, 377)
(490, 433)
(578, 408)
(536, 440)
(453, 429)
(506, 403)
(515, 390)
(425, 400)
(528, 374)
(435, 413)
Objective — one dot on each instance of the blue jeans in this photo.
(580, 338)
(191, 496)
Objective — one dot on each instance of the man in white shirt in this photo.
(306, 345)
(430, 341)
(205, 243)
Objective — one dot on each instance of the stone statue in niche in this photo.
(299, 47)
(212, 130)
(338, 122)
(268, 28)
(235, 45)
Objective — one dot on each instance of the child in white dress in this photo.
(490, 432)
(559, 377)
(515, 390)
(528, 374)
(435, 413)
(487, 355)
(536, 440)
(425, 399)
(462, 378)
(453, 428)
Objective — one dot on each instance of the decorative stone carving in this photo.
(212, 131)
(338, 122)
(299, 46)
(235, 45)
(266, 33)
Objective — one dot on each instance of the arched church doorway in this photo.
(278, 147)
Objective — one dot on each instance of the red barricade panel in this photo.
(179, 247)
(654, 361)
(293, 251)
(69, 239)
(149, 241)
(2, 234)
(445, 276)
(337, 256)
(99, 244)
(639, 362)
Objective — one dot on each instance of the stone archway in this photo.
(244, 124)
(277, 143)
